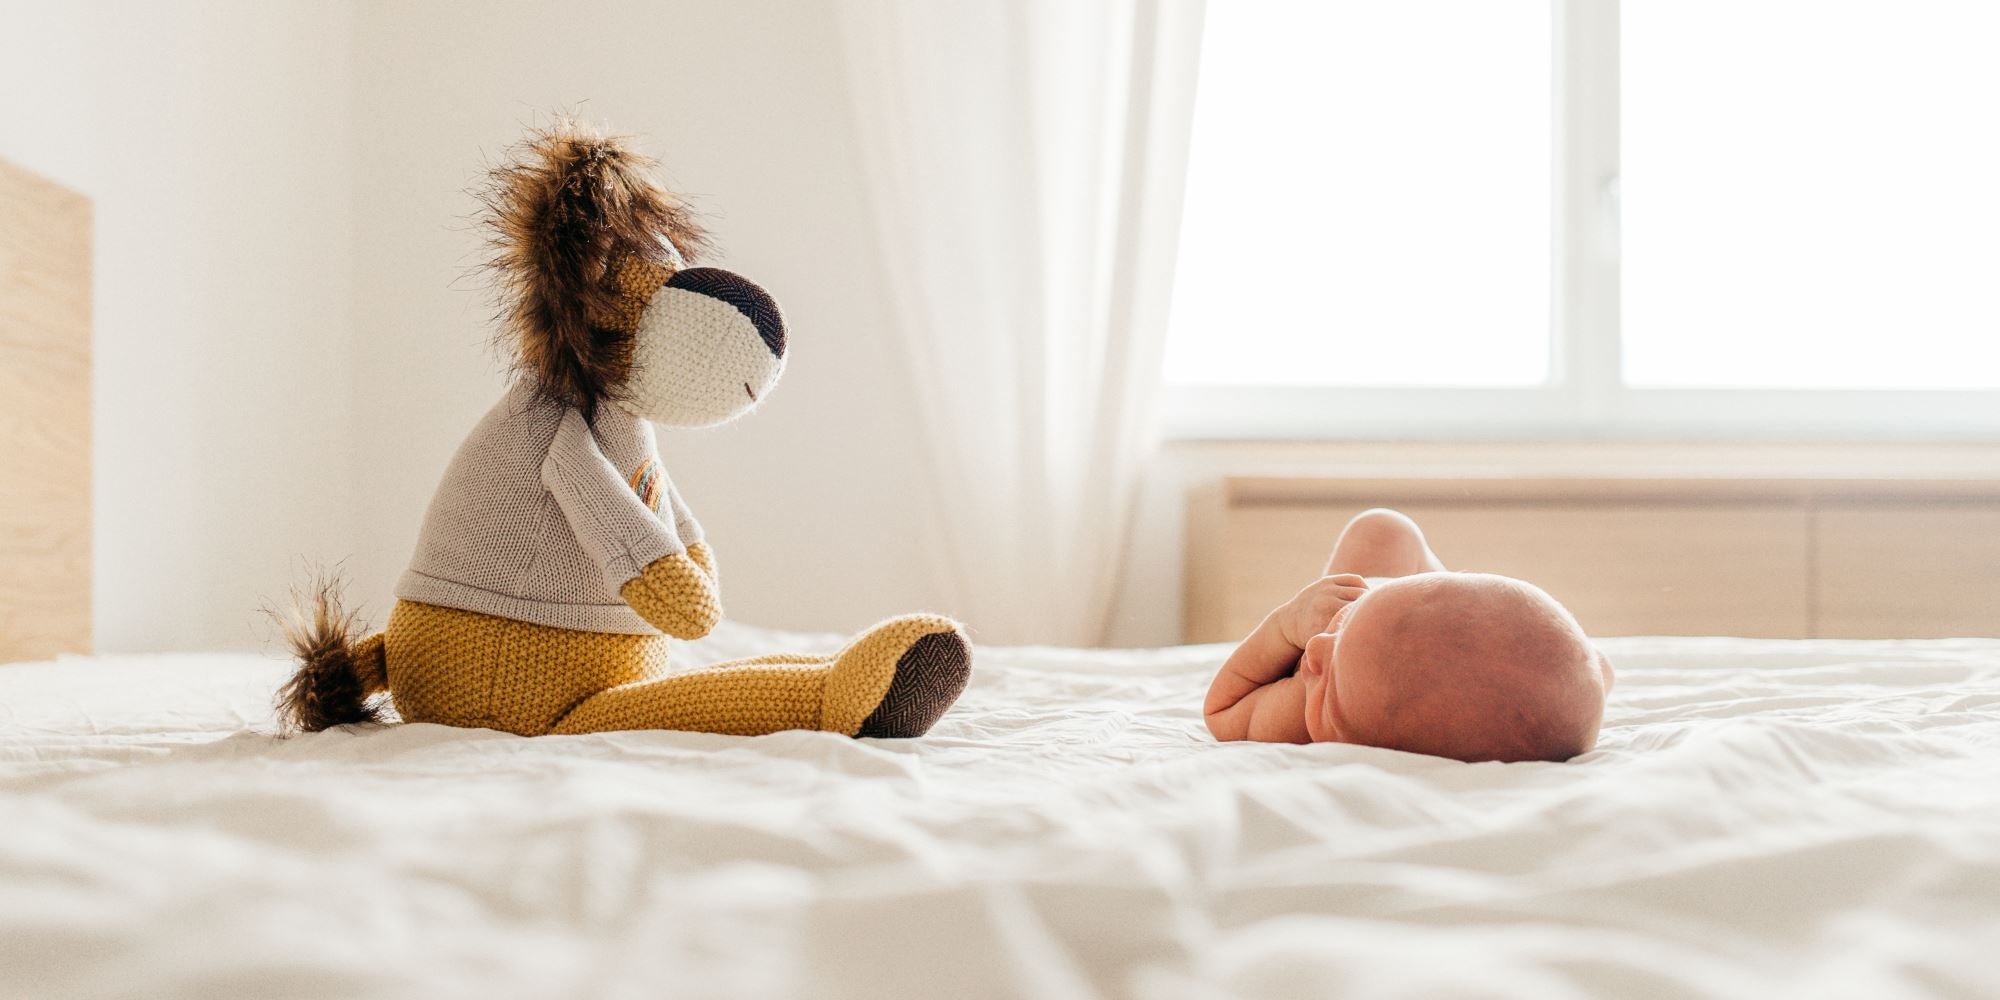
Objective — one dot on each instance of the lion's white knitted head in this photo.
(710, 345)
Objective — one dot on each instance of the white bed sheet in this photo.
(1761, 819)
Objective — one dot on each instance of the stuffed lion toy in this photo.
(557, 556)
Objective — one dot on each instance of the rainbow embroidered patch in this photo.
(646, 483)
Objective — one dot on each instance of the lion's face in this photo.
(709, 346)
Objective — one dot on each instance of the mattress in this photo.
(1762, 818)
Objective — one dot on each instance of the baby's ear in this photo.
(1604, 664)
(1318, 654)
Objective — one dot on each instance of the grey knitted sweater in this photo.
(543, 518)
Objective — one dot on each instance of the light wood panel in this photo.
(44, 417)
(1683, 555)
(1207, 601)
(1908, 570)
(1738, 570)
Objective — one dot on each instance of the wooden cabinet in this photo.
(44, 417)
(1906, 569)
(1770, 558)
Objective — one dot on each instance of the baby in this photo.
(1464, 665)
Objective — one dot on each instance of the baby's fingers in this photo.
(1314, 607)
(1337, 590)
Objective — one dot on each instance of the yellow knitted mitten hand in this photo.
(677, 593)
(699, 552)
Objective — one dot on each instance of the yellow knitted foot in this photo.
(898, 678)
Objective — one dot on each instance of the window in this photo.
(1425, 159)
(1464, 217)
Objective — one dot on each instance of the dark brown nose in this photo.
(753, 302)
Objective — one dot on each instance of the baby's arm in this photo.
(1258, 695)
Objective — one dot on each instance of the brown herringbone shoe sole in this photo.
(929, 677)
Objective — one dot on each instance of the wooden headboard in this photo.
(44, 417)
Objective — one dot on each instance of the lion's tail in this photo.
(338, 677)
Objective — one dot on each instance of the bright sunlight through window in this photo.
(1827, 219)
(1368, 196)
(1765, 218)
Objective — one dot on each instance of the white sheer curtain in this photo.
(1025, 162)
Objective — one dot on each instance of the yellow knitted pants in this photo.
(463, 668)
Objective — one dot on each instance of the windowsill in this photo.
(1572, 414)
(1586, 459)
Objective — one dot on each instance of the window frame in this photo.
(1586, 397)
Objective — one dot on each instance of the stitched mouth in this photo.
(747, 392)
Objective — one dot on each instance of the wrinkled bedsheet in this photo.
(1762, 818)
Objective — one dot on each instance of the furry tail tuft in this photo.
(338, 678)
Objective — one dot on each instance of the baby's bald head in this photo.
(1463, 665)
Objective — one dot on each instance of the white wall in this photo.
(289, 342)
(214, 141)
(745, 102)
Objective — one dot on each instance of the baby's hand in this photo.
(1312, 611)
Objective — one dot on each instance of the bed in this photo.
(1762, 817)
